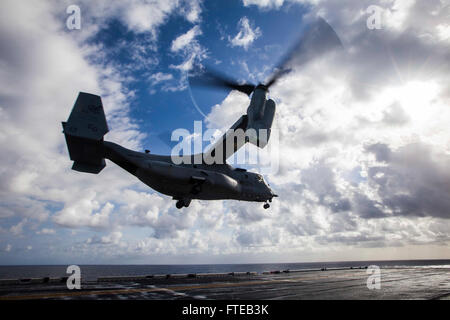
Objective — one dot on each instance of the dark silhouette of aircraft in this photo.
(204, 176)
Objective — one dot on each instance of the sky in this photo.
(364, 144)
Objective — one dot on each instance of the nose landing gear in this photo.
(266, 206)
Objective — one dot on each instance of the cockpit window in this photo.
(259, 178)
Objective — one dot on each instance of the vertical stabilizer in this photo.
(84, 131)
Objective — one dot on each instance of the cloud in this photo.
(246, 35)
(52, 70)
(223, 115)
(265, 4)
(194, 12)
(154, 211)
(146, 16)
(191, 51)
(139, 16)
(46, 231)
(185, 39)
(412, 181)
(18, 228)
(82, 213)
(160, 77)
(111, 239)
(189, 48)
(363, 141)
(257, 237)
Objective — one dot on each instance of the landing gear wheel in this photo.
(183, 203)
(266, 206)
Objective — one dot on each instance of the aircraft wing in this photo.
(219, 152)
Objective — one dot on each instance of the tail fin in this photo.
(84, 131)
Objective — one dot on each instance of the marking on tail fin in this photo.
(87, 119)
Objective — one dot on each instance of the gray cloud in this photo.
(414, 182)
(361, 163)
(320, 179)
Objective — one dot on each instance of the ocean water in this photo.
(92, 272)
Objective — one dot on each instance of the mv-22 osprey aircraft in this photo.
(188, 180)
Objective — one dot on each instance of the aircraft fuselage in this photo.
(190, 181)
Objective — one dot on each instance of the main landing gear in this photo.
(183, 203)
(266, 206)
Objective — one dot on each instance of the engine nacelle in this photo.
(260, 115)
(254, 127)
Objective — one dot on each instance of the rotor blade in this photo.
(210, 78)
(318, 38)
